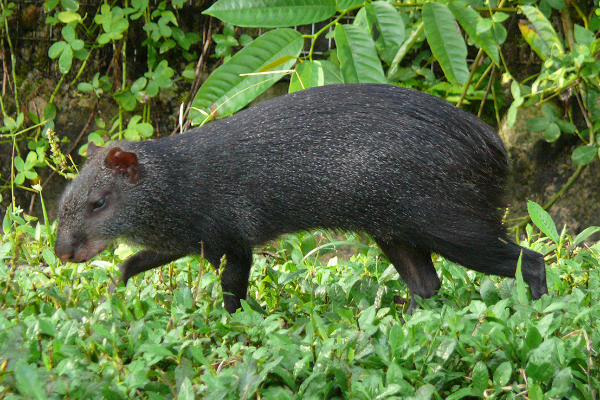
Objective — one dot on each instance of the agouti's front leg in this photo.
(141, 262)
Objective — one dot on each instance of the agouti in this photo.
(414, 172)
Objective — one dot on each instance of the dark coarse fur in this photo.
(409, 169)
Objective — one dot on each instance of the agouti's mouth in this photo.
(79, 253)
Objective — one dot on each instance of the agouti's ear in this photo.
(124, 162)
(92, 149)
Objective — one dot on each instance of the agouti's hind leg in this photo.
(414, 266)
(234, 280)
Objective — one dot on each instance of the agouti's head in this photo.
(91, 211)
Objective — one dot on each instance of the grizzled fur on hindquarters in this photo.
(409, 169)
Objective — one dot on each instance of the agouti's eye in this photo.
(99, 204)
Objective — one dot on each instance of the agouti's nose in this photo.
(64, 253)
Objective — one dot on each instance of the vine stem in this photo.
(557, 195)
(470, 78)
(329, 25)
(13, 61)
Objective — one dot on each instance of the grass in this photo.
(311, 329)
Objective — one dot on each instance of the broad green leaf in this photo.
(50, 5)
(392, 73)
(542, 220)
(70, 5)
(540, 34)
(315, 73)
(225, 91)
(556, 4)
(139, 84)
(480, 377)
(186, 391)
(387, 26)
(357, 54)
(511, 115)
(346, 4)
(470, 19)
(566, 126)
(68, 33)
(562, 383)
(126, 99)
(56, 48)
(537, 124)
(19, 163)
(66, 17)
(583, 155)
(50, 111)
(445, 41)
(520, 282)
(584, 235)
(77, 45)
(583, 36)
(65, 60)
(540, 365)
(85, 87)
(272, 13)
(29, 382)
(502, 374)
(552, 132)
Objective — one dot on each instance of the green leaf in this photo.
(566, 126)
(583, 36)
(70, 5)
(19, 163)
(542, 220)
(520, 282)
(29, 382)
(85, 87)
(68, 33)
(56, 48)
(66, 17)
(540, 365)
(50, 111)
(126, 99)
(139, 84)
(30, 160)
(540, 35)
(51, 5)
(537, 124)
(444, 39)
(552, 132)
(315, 73)
(272, 13)
(561, 384)
(533, 339)
(357, 54)
(556, 4)
(389, 26)
(225, 91)
(480, 378)
(502, 374)
(65, 60)
(470, 20)
(346, 4)
(77, 45)
(585, 154)
(584, 235)
(186, 391)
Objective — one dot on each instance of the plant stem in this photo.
(557, 195)
(13, 61)
(470, 78)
